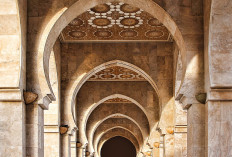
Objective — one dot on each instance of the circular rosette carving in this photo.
(129, 21)
(126, 76)
(103, 34)
(101, 22)
(154, 22)
(128, 33)
(102, 9)
(76, 22)
(107, 76)
(77, 34)
(127, 9)
(154, 34)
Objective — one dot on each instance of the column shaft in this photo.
(196, 131)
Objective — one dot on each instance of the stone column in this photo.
(65, 145)
(219, 123)
(195, 124)
(196, 131)
(180, 131)
(73, 145)
(52, 141)
(35, 130)
(180, 141)
(161, 146)
(169, 142)
(51, 131)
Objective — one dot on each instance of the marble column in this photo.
(180, 141)
(65, 145)
(51, 141)
(169, 145)
(196, 130)
(218, 123)
(161, 146)
(35, 130)
(51, 131)
(180, 131)
(73, 145)
(156, 149)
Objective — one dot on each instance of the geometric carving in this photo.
(77, 34)
(117, 100)
(115, 21)
(116, 73)
(154, 22)
(154, 34)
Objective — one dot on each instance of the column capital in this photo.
(186, 101)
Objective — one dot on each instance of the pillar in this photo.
(65, 145)
(169, 142)
(51, 141)
(218, 123)
(161, 146)
(73, 145)
(196, 130)
(180, 131)
(180, 141)
(35, 131)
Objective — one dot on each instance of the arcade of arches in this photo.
(81, 77)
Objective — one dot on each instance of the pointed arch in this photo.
(65, 15)
(79, 82)
(111, 116)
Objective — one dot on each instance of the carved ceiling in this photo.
(115, 21)
(117, 100)
(117, 73)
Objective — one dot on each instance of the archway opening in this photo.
(118, 146)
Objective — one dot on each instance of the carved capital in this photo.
(201, 97)
(63, 129)
(170, 130)
(156, 144)
(29, 97)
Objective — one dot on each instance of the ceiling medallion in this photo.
(129, 21)
(101, 21)
(128, 33)
(154, 22)
(77, 34)
(154, 34)
(103, 34)
(126, 9)
(102, 9)
(76, 22)
(129, 9)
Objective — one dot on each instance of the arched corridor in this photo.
(98, 78)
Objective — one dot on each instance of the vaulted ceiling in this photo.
(115, 21)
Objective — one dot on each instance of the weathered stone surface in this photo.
(29, 97)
